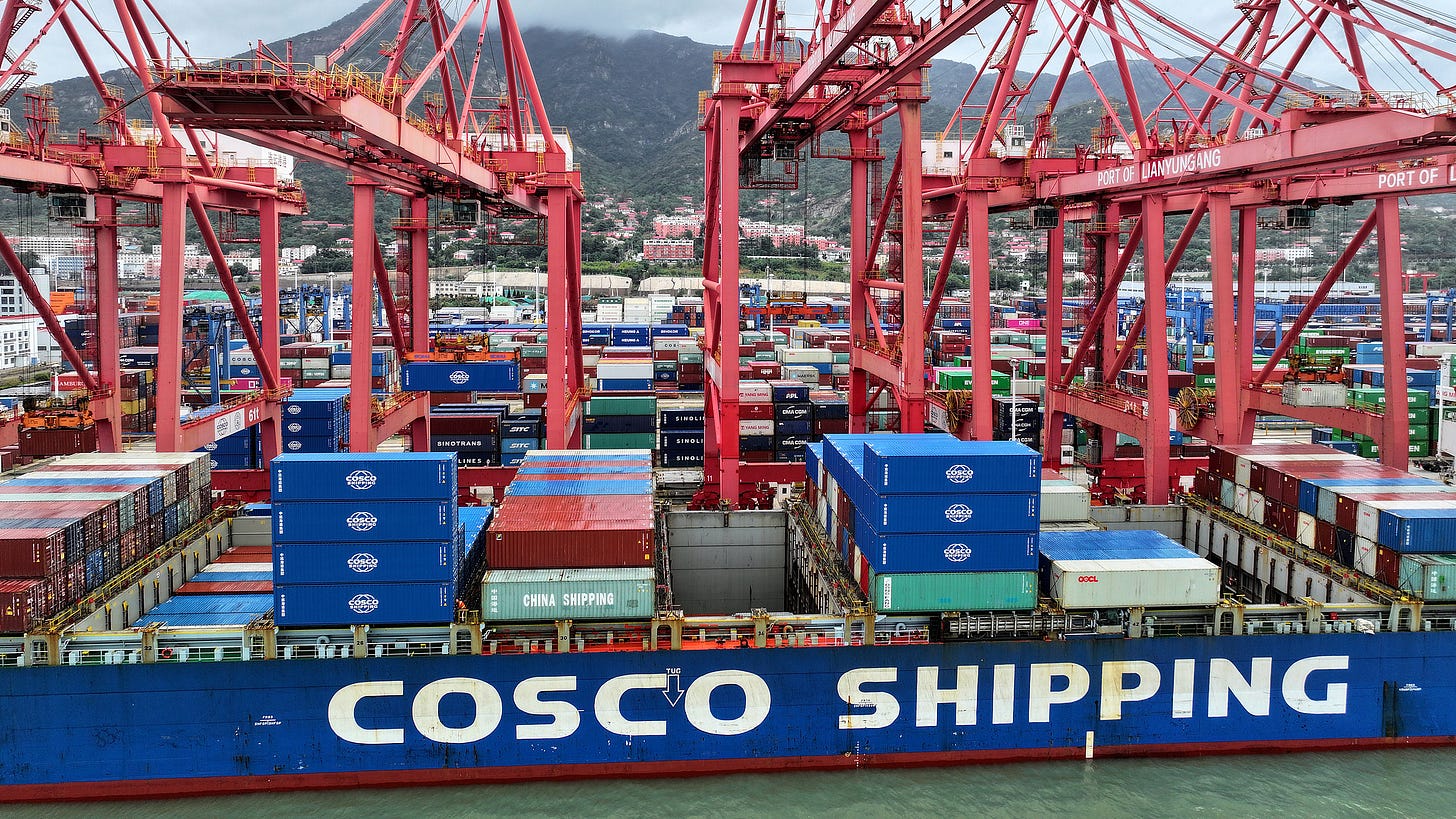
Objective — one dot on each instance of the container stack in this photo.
(69, 527)
(384, 372)
(470, 431)
(576, 510)
(1121, 569)
(620, 422)
(1384, 523)
(315, 420)
(931, 523)
(680, 437)
(365, 538)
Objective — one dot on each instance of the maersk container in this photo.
(1433, 577)
(952, 591)
(355, 604)
(1095, 584)
(931, 463)
(363, 522)
(364, 476)
(523, 595)
(986, 552)
(366, 562)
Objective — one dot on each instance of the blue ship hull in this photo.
(171, 728)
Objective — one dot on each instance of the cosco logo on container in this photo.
(295, 427)
(960, 473)
(294, 409)
(960, 513)
(361, 521)
(363, 603)
(459, 377)
(1087, 578)
(361, 479)
(363, 563)
(295, 445)
(957, 552)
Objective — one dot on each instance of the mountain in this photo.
(632, 107)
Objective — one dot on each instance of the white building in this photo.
(18, 342)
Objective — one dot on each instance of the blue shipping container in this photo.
(363, 604)
(366, 521)
(366, 563)
(989, 552)
(376, 476)
(907, 514)
(468, 376)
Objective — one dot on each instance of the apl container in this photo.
(364, 476)
(347, 604)
(364, 521)
(569, 594)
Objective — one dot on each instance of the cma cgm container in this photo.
(385, 476)
(374, 603)
(524, 595)
(366, 562)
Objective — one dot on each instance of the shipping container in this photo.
(366, 563)
(346, 604)
(952, 591)
(919, 553)
(364, 521)
(1137, 581)
(364, 476)
(569, 594)
(1433, 577)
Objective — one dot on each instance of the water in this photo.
(1387, 784)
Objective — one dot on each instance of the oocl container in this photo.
(577, 594)
(1114, 583)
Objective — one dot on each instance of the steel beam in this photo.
(108, 328)
(1395, 431)
(169, 335)
(910, 386)
(361, 327)
(1155, 299)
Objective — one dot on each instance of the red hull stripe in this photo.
(218, 785)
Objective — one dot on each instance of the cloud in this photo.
(707, 21)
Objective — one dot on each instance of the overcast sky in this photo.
(215, 28)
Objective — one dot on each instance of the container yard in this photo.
(1037, 463)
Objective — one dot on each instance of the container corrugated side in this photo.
(934, 463)
(929, 552)
(366, 562)
(1433, 577)
(1090, 584)
(1065, 502)
(952, 591)
(352, 476)
(575, 594)
(364, 521)
(346, 604)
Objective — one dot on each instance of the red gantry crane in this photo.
(1234, 123)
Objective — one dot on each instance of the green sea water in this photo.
(1405, 783)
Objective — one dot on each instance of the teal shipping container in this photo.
(523, 595)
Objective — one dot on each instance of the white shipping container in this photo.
(1241, 471)
(1304, 530)
(755, 392)
(1241, 500)
(1365, 551)
(1256, 507)
(805, 355)
(755, 427)
(624, 369)
(1065, 502)
(1168, 581)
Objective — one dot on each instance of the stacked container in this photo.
(576, 510)
(68, 528)
(365, 538)
(315, 421)
(681, 437)
(620, 422)
(932, 523)
(1379, 521)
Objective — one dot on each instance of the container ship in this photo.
(594, 525)
(948, 603)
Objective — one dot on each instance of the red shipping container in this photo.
(571, 532)
(21, 601)
(1387, 566)
(755, 412)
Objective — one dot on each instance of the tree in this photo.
(326, 261)
(238, 269)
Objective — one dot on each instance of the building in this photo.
(18, 342)
(668, 250)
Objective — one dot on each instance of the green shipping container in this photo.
(524, 595)
(690, 357)
(1433, 577)
(1420, 433)
(621, 440)
(953, 591)
(1420, 449)
(622, 405)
